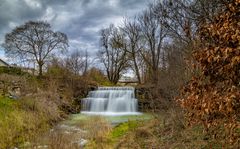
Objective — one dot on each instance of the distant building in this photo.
(3, 63)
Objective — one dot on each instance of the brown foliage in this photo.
(213, 97)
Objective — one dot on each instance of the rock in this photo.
(83, 142)
(12, 96)
(67, 132)
(42, 146)
(71, 128)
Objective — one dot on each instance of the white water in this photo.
(110, 101)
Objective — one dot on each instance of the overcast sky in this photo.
(81, 20)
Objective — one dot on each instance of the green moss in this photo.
(123, 128)
(6, 106)
(5, 101)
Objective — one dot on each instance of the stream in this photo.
(102, 110)
(76, 131)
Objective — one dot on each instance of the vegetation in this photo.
(193, 45)
(180, 40)
(122, 129)
(212, 96)
(11, 70)
(34, 42)
(30, 106)
(102, 134)
(23, 121)
(113, 54)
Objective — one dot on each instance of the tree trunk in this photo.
(40, 69)
(137, 71)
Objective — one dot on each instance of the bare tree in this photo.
(113, 54)
(86, 63)
(154, 33)
(34, 41)
(183, 17)
(78, 62)
(75, 62)
(132, 32)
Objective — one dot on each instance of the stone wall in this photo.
(10, 86)
(144, 97)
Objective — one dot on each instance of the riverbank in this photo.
(31, 105)
(24, 120)
(22, 124)
(165, 129)
(86, 131)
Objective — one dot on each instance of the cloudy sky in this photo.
(81, 20)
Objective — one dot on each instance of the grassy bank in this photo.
(23, 120)
(166, 129)
(99, 131)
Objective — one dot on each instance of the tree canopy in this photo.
(34, 41)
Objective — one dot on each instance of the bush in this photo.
(12, 71)
(212, 98)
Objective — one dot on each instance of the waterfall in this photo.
(110, 101)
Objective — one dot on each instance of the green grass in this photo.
(120, 126)
(6, 106)
(11, 119)
(76, 119)
(6, 102)
(123, 128)
(18, 124)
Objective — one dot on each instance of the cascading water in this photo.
(110, 101)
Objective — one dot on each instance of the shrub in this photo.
(11, 70)
(212, 97)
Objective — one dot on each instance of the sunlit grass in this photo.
(6, 106)
(123, 128)
(105, 131)
(19, 123)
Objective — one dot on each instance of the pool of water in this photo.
(112, 118)
(111, 113)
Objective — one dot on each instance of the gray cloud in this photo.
(81, 20)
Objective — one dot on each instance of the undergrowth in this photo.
(23, 120)
(166, 130)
